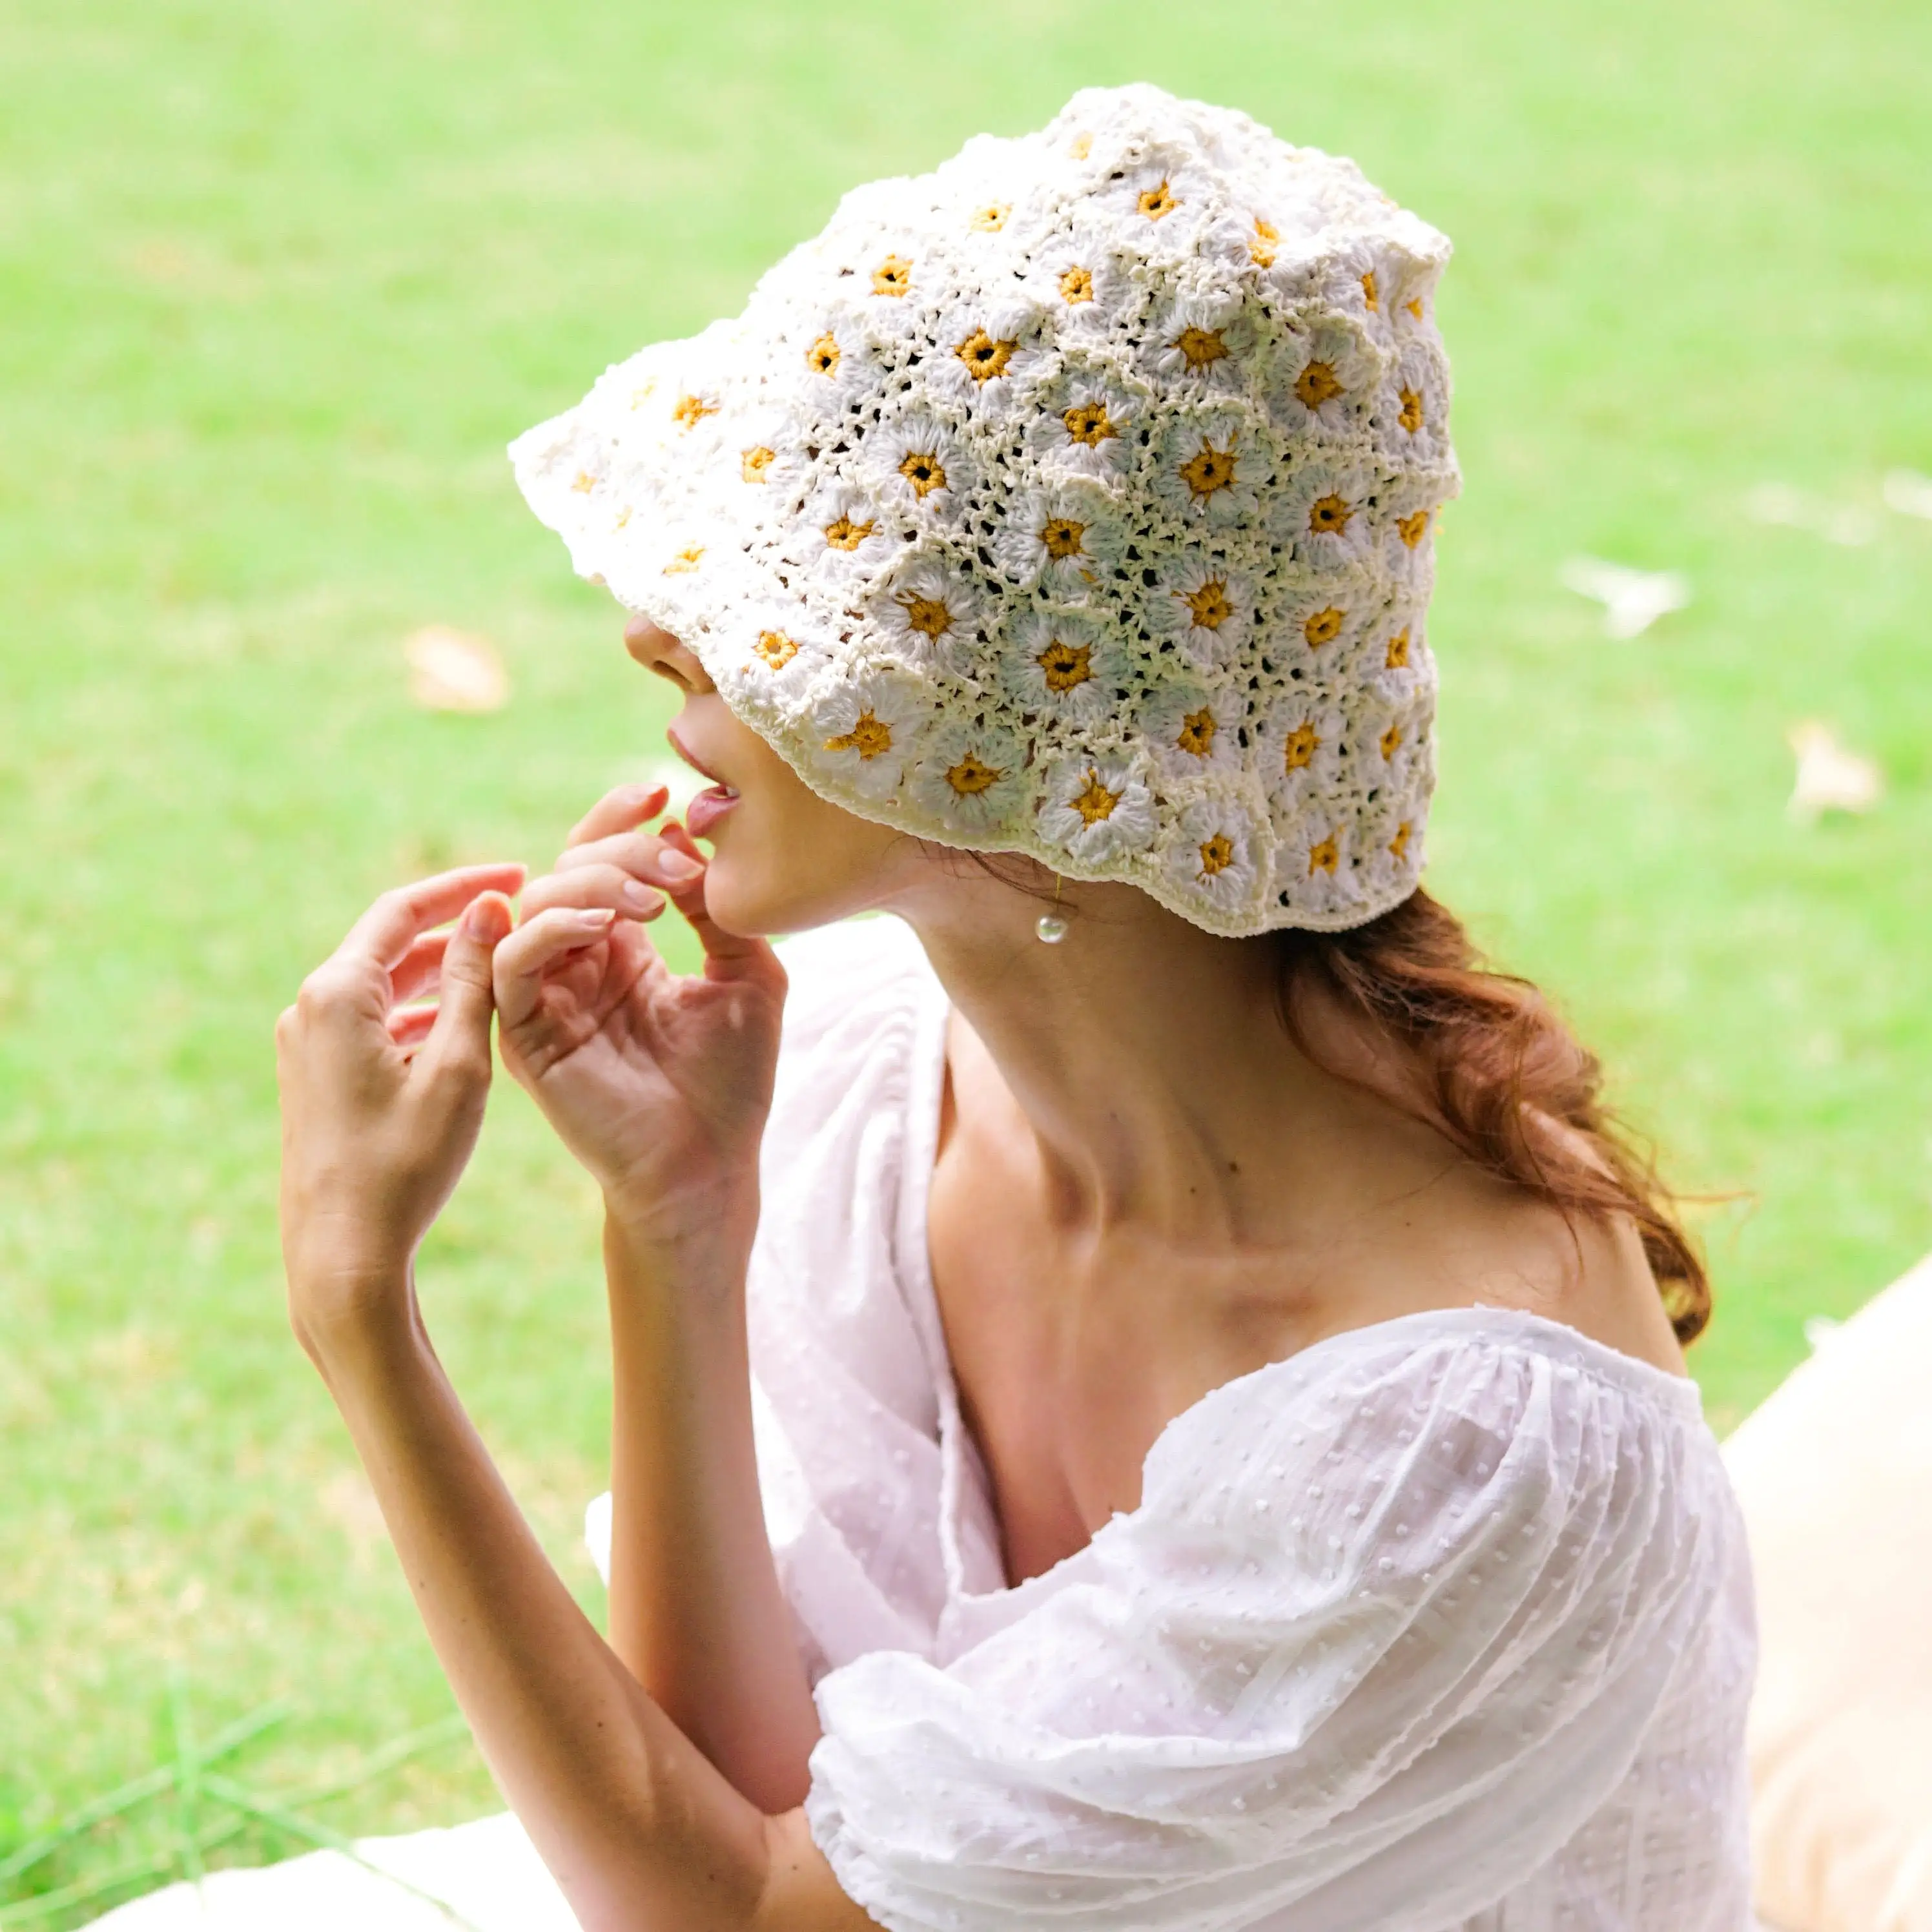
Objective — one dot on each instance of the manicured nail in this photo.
(592, 918)
(480, 920)
(641, 899)
(678, 866)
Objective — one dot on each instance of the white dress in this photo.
(1444, 1622)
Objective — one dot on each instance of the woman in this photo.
(1146, 1396)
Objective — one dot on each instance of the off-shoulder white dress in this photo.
(1445, 1622)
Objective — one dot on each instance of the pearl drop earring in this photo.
(1051, 927)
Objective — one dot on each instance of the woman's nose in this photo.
(658, 650)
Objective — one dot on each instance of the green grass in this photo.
(278, 282)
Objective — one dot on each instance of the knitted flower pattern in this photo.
(1078, 499)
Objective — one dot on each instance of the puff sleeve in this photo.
(1389, 1623)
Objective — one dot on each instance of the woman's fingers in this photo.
(727, 955)
(646, 856)
(593, 884)
(618, 810)
(415, 974)
(409, 1026)
(521, 959)
(388, 929)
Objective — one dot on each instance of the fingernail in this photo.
(641, 899)
(592, 918)
(480, 921)
(674, 865)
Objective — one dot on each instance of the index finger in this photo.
(618, 810)
(388, 929)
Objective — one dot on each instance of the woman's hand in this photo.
(381, 1102)
(657, 1082)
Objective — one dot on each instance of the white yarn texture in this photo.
(1076, 499)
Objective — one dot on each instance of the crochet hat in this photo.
(1074, 499)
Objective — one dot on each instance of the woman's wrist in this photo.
(345, 1315)
(702, 1249)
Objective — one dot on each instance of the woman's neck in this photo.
(1149, 1061)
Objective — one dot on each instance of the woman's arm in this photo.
(380, 1110)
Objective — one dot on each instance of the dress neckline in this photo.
(969, 1531)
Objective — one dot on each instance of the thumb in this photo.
(460, 1037)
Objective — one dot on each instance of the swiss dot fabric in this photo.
(1445, 1622)
(1076, 499)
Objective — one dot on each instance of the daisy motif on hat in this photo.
(769, 661)
(1059, 664)
(1390, 844)
(1327, 512)
(1067, 537)
(1302, 737)
(917, 466)
(970, 776)
(844, 536)
(1314, 622)
(1097, 808)
(1201, 345)
(1317, 873)
(1191, 729)
(1210, 466)
(1082, 286)
(1084, 424)
(1211, 852)
(1389, 742)
(840, 363)
(1204, 603)
(763, 464)
(866, 727)
(1411, 407)
(1163, 204)
(990, 357)
(1358, 279)
(1393, 656)
(1320, 382)
(932, 610)
(1405, 528)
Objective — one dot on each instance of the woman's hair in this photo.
(1496, 1064)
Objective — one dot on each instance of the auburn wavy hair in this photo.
(1492, 1054)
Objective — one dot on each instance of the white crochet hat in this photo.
(1073, 500)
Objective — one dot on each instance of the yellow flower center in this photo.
(1159, 201)
(1411, 417)
(1397, 657)
(1369, 292)
(1210, 607)
(776, 649)
(928, 615)
(1317, 384)
(624, 516)
(1065, 665)
(583, 483)
(1089, 423)
(991, 219)
(1076, 285)
(1208, 470)
(893, 276)
(1391, 741)
(643, 392)
(1328, 516)
(983, 357)
(971, 775)
(1414, 307)
(1399, 844)
(1080, 146)
(1413, 528)
(756, 461)
(1324, 857)
(822, 358)
(1261, 249)
(925, 473)
(843, 534)
(1201, 347)
(868, 737)
(1217, 854)
(1323, 628)
(1063, 538)
(1096, 802)
(1197, 733)
(689, 410)
(686, 560)
(1299, 748)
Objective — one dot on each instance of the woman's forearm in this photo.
(696, 1610)
(639, 1828)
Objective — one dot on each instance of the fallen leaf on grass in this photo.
(1633, 600)
(454, 671)
(1848, 523)
(1908, 493)
(1830, 778)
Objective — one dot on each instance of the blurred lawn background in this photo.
(278, 280)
